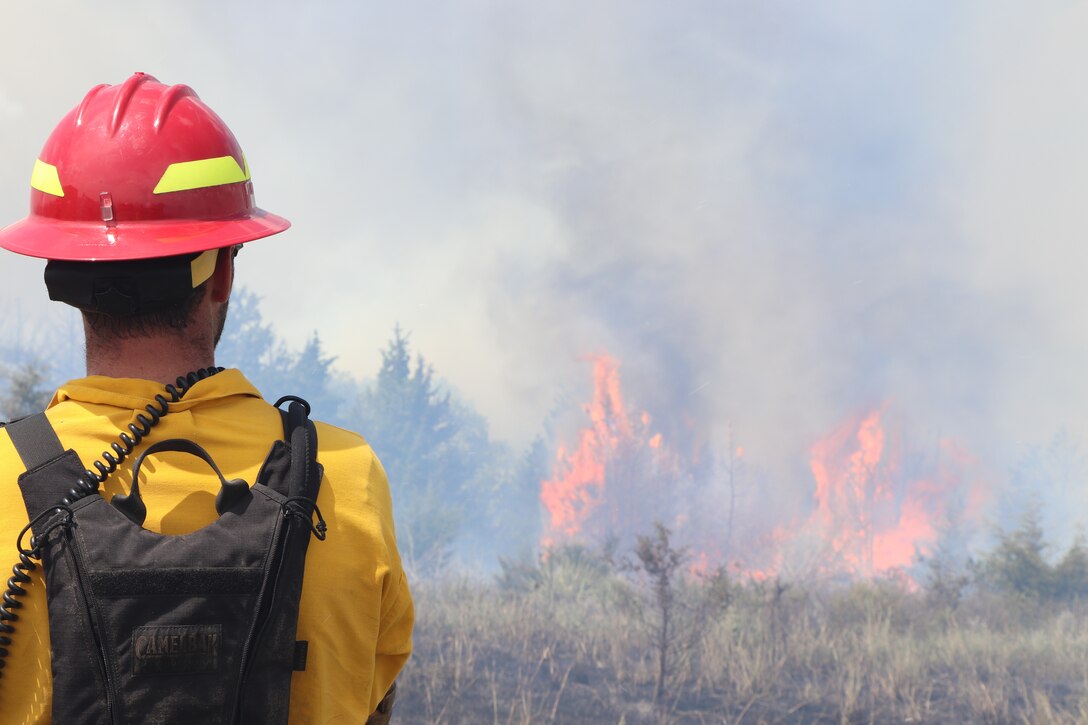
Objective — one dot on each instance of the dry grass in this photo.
(572, 644)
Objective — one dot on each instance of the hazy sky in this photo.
(773, 213)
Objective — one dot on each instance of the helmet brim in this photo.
(46, 238)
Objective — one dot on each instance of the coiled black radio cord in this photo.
(86, 485)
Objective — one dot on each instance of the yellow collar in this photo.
(133, 393)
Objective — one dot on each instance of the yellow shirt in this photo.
(356, 610)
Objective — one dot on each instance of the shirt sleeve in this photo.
(394, 634)
(397, 612)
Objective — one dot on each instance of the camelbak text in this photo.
(176, 648)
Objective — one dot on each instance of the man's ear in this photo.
(222, 278)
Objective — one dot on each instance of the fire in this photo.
(872, 514)
(578, 499)
(850, 484)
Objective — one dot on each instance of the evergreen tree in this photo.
(947, 569)
(1071, 573)
(249, 344)
(431, 449)
(506, 493)
(1018, 564)
(1047, 478)
(443, 467)
(517, 509)
(24, 390)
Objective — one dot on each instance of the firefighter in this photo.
(140, 200)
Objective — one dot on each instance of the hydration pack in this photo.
(153, 628)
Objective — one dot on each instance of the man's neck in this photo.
(161, 359)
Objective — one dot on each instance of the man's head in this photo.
(164, 296)
(139, 198)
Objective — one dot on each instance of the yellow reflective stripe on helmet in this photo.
(203, 266)
(46, 179)
(186, 175)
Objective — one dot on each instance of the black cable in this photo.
(86, 485)
(18, 577)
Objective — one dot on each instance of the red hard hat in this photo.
(136, 171)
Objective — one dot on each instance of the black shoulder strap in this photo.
(303, 478)
(50, 470)
(301, 434)
(35, 440)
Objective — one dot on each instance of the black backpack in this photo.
(151, 628)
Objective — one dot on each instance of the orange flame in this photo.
(576, 496)
(873, 516)
(576, 488)
(870, 516)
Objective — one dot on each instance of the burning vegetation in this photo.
(877, 507)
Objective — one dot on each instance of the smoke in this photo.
(774, 216)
